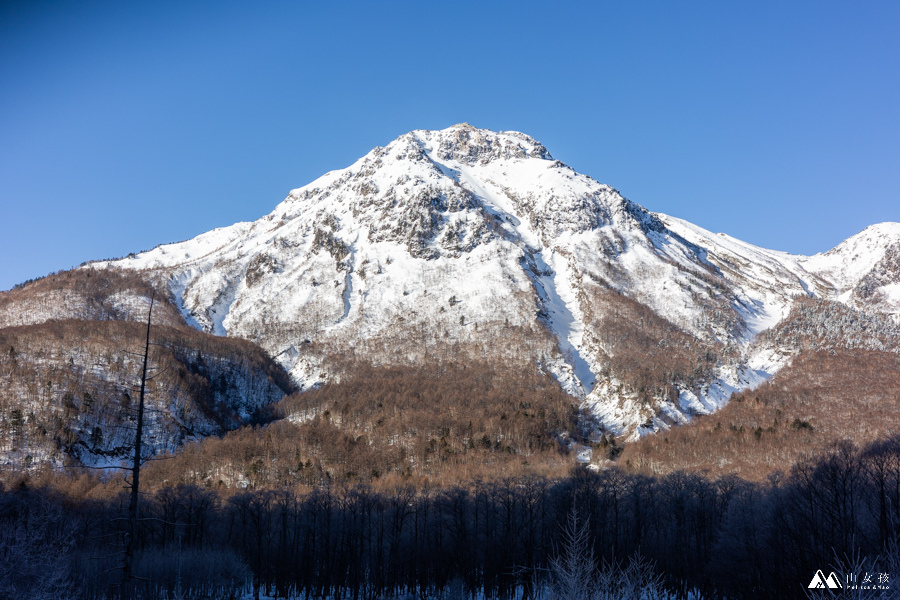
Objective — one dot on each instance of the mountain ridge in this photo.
(450, 236)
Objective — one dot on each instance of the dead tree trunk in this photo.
(131, 534)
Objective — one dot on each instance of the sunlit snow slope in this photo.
(456, 236)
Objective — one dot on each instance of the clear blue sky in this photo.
(128, 124)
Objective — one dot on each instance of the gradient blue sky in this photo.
(124, 125)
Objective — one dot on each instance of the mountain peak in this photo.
(470, 145)
(452, 238)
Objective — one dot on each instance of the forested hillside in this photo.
(439, 423)
(841, 382)
(69, 384)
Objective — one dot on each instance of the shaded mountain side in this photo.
(444, 423)
(90, 295)
(820, 398)
(68, 389)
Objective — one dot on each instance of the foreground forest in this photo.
(531, 536)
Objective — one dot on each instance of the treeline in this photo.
(724, 538)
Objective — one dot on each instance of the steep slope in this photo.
(466, 238)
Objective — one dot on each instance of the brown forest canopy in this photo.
(445, 423)
(822, 397)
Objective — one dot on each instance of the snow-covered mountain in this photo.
(466, 240)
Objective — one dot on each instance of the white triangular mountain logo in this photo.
(820, 582)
